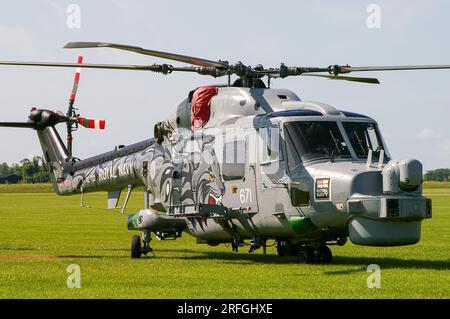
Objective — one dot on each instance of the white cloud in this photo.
(428, 134)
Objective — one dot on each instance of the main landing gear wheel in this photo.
(324, 255)
(305, 255)
(136, 248)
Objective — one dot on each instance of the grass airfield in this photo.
(41, 234)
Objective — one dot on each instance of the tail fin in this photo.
(56, 155)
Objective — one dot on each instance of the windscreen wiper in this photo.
(359, 142)
(336, 142)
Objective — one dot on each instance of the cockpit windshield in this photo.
(310, 140)
(364, 137)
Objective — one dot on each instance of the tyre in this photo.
(305, 255)
(282, 249)
(136, 246)
(325, 256)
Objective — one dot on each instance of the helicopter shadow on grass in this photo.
(355, 264)
(359, 262)
(227, 257)
(385, 263)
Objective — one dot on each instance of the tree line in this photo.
(29, 170)
(35, 171)
(439, 175)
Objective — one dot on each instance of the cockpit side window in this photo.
(270, 150)
(364, 137)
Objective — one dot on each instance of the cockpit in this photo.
(312, 140)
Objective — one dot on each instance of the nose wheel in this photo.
(305, 255)
(137, 249)
(316, 255)
(286, 248)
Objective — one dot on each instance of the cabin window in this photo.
(234, 155)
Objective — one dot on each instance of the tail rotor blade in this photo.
(71, 109)
(91, 123)
(76, 80)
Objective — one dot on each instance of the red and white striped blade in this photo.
(76, 80)
(91, 123)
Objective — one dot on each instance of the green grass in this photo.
(432, 184)
(41, 234)
(26, 188)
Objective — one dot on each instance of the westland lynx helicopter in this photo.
(242, 163)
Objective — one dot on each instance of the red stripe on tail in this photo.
(76, 80)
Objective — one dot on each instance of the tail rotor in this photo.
(40, 119)
(73, 118)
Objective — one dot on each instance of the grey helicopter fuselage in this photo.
(265, 165)
(241, 162)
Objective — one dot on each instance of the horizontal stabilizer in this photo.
(18, 124)
(113, 199)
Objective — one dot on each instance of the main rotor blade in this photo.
(346, 78)
(160, 54)
(159, 68)
(155, 67)
(17, 124)
(348, 69)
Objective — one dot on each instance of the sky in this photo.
(412, 108)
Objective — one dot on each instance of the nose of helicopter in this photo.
(384, 204)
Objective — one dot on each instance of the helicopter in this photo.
(242, 163)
